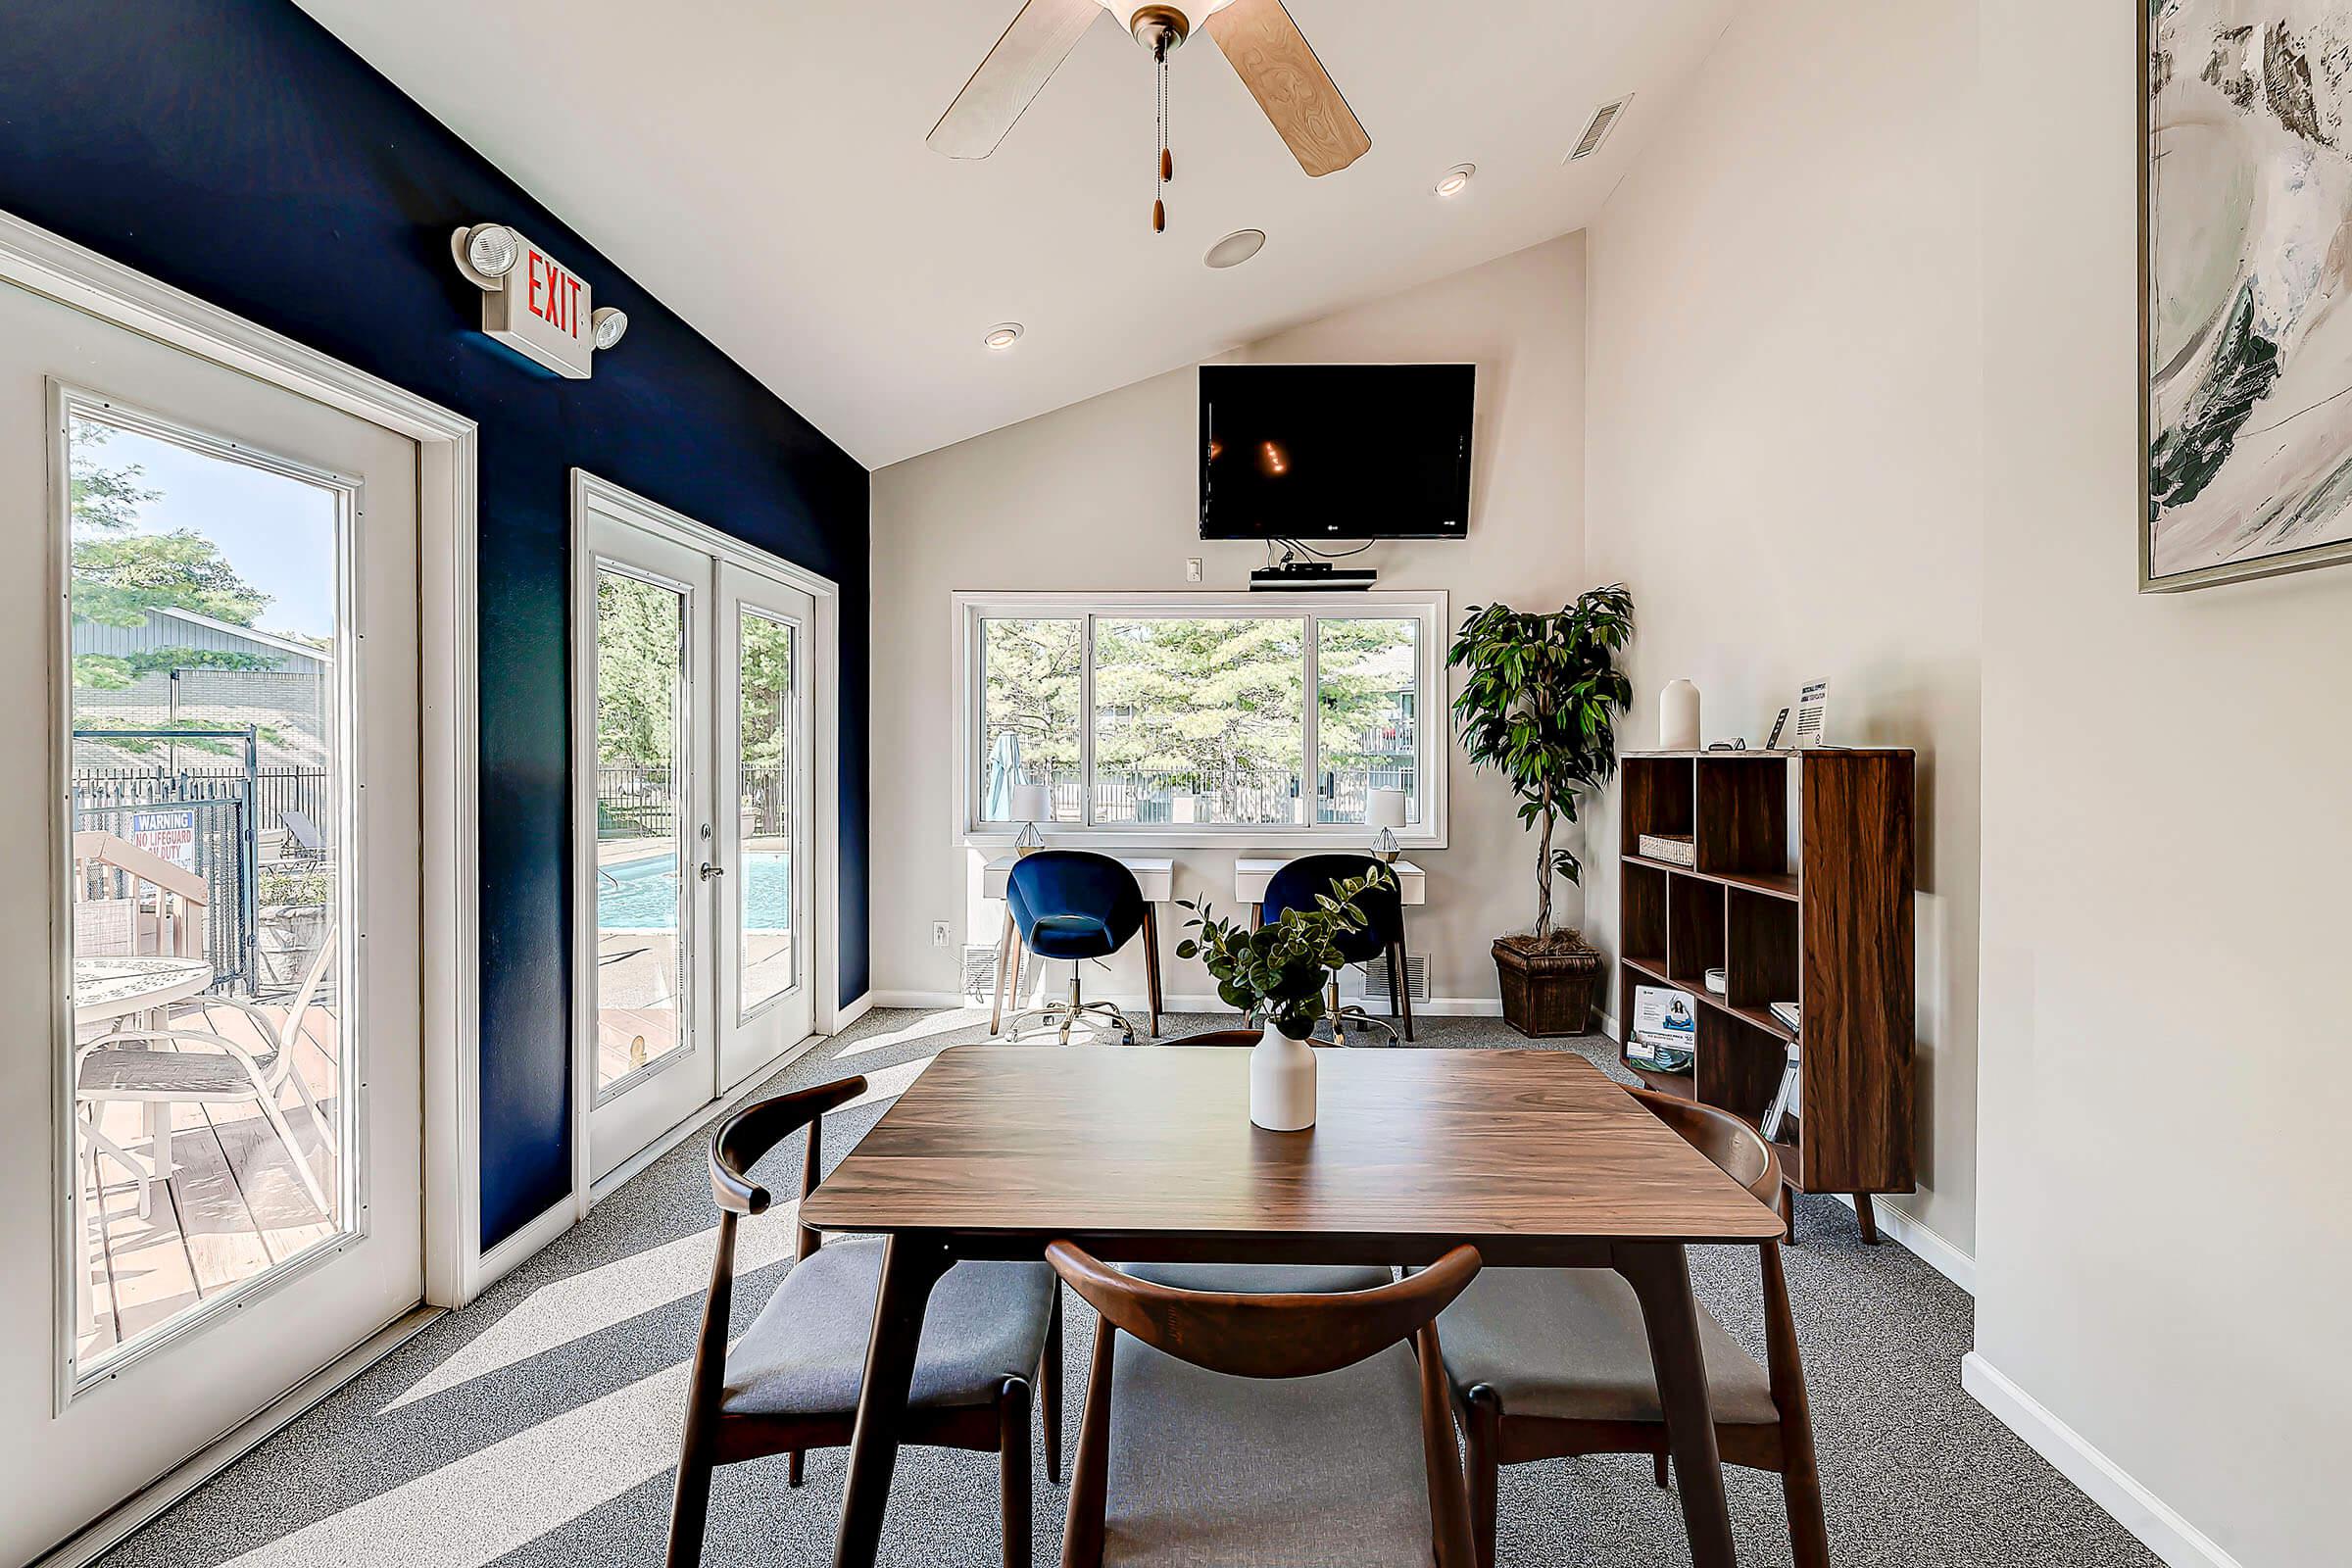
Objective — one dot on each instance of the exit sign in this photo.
(543, 309)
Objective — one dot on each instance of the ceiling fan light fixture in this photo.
(1457, 179)
(1003, 335)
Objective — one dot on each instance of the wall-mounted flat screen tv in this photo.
(1318, 452)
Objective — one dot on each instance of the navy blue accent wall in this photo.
(234, 149)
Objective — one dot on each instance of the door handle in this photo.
(709, 870)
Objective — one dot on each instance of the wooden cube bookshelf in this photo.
(1801, 892)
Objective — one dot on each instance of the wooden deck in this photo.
(233, 1209)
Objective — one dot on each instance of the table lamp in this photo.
(1032, 804)
(1384, 809)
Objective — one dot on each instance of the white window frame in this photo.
(1428, 608)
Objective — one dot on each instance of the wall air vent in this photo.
(1604, 120)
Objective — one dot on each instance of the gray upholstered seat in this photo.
(1320, 1472)
(1569, 1345)
(805, 1354)
(1267, 1279)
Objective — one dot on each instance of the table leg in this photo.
(910, 1265)
(1660, 1275)
(996, 1018)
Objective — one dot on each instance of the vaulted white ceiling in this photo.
(760, 165)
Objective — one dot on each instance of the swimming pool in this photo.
(643, 895)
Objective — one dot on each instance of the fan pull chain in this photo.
(1166, 166)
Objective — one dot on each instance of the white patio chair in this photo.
(205, 1068)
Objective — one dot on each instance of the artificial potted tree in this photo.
(1540, 704)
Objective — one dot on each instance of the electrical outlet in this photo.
(938, 933)
(1192, 569)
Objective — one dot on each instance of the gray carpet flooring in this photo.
(538, 1425)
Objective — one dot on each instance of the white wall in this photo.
(1103, 495)
(1784, 386)
(2166, 1246)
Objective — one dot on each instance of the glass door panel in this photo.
(642, 738)
(205, 895)
(768, 1004)
(642, 915)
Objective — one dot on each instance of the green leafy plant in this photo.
(1280, 971)
(1540, 704)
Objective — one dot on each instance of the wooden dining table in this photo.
(1149, 1155)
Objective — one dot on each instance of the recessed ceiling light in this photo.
(1457, 179)
(1236, 248)
(1003, 335)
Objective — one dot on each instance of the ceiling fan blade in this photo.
(1290, 84)
(1038, 40)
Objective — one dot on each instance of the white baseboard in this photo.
(1927, 1245)
(2138, 1509)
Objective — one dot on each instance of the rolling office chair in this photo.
(1295, 887)
(1069, 903)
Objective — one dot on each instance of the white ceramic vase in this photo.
(1677, 717)
(1282, 1082)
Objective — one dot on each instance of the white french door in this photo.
(766, 708)
(209, 1113)
(693, 722)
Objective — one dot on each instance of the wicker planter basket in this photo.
(1548, 993)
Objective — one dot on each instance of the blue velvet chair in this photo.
(1295, 886)
(1069, 903)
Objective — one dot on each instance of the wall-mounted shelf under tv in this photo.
(1800, 890)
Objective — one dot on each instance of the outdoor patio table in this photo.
(106, 989)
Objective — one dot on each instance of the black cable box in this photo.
(1311, 575)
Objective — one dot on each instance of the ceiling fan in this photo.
(1257, 36)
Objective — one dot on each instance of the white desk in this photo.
(1157, 877)
(1250, 879)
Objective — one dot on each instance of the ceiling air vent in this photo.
(1604, 120)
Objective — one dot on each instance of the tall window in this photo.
(1168, 717)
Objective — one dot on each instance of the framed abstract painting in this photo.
(2246, 289)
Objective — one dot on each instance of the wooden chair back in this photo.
(1272, 1336)
(1737, 1150)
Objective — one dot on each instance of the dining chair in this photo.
(1551, 1362)
(205, 1067)
(993, 1333)
(1299, 883)
(1319, 1471)
(1074, 905)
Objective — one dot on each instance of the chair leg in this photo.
(1789, 1211)
(1013, 1465)
(1482, 1468)
(1664, 1477)
(996, 1016)
(690, 1506)
(1070, 1018)
(301, 1091)
(1800, 1492)
(1395, 985)
(794, 1463)
(1048, 1390)
(285, 1131)
(1867, 1217)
